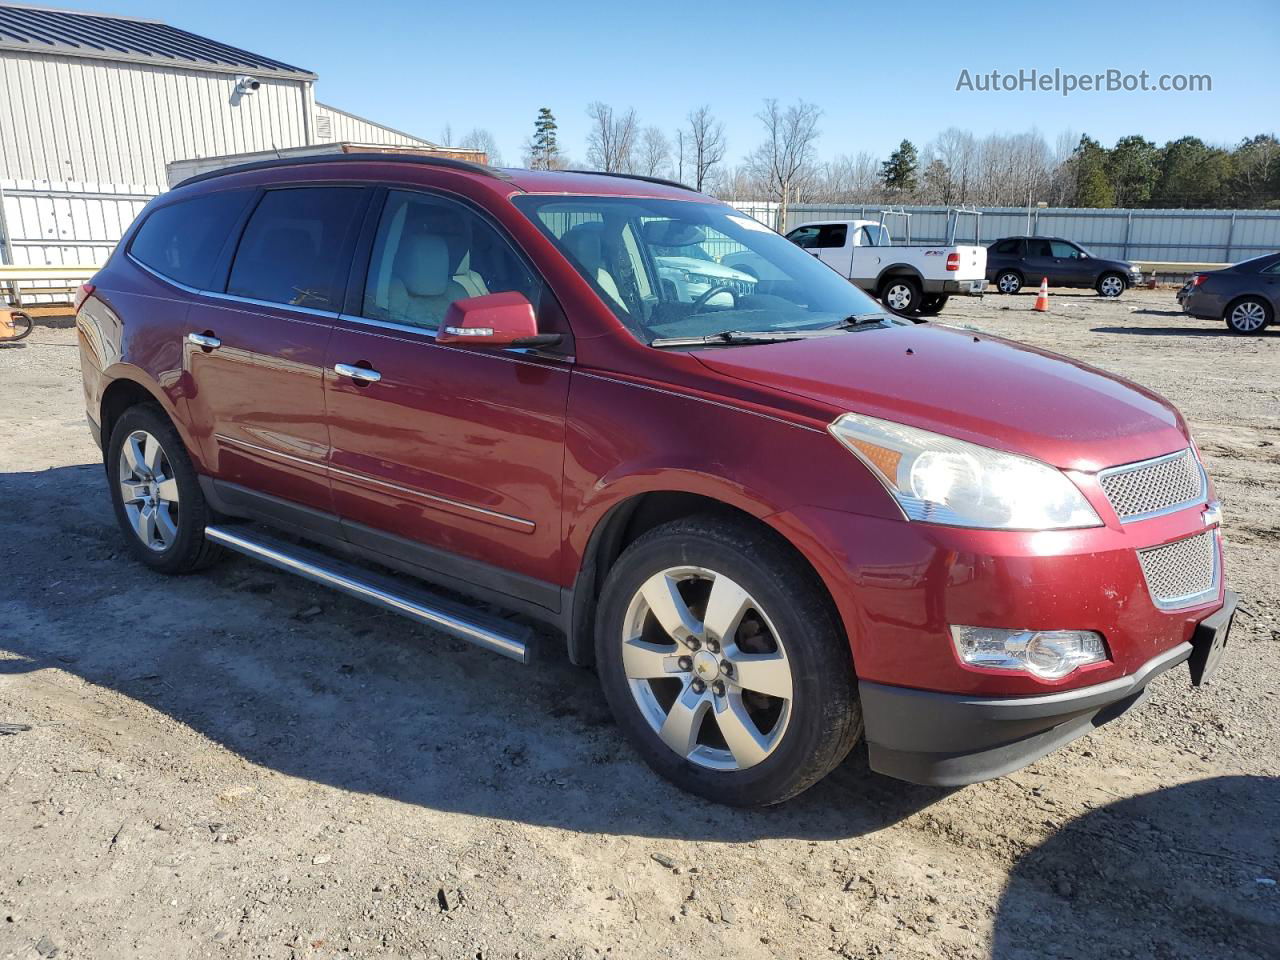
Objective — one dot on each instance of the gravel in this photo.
(206, 766)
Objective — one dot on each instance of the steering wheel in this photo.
(718, 288)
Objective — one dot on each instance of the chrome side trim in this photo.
(267, 451)
(231, 297)
(428, 336)
(346, 580)
(527, 526)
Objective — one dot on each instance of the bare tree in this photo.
(706, 144)
(785, 161)
(611, 142)
(653, 157)
(446, 135)
(481, 139)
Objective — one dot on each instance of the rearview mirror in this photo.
(672, 233)
(494, 320)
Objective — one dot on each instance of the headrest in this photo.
(584, 245)
(422, 265)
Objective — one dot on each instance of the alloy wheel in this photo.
(149, 490)
(1111, 287)
(707, 669)
(1009, 283)
(1248, 316)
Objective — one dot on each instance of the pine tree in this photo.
(899, 171)
(544, 151)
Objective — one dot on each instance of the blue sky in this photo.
(880, 71)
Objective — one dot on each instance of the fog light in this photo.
(1046, 653)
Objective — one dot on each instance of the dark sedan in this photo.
(1245, 295)
(1015, 262)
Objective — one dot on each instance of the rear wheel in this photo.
(157, 498)
(1111, 285)
(724, 663)
(902, 295)
(1009, 282)
(1248, 315)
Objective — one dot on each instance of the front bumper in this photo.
(949, 740)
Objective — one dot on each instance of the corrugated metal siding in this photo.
(348, 128)
(1191, 236)
(71, 118)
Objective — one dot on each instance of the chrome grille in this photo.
(1166, 483)
(1182, 573)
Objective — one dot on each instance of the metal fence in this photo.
(1185, 236)
(45, 222)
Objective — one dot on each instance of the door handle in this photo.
(205, 341)
(363, 374)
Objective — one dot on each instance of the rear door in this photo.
(447, 457)
(257, 396)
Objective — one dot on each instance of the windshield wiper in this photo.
(740, 336)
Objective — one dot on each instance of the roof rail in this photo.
(636, 176)
(448, 162)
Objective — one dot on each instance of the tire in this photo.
(166, 504)
(783, 619)
(1248, 315)
(1009, 281)
(1110, 285)
(932, 304)
(902, 295)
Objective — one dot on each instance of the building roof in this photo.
(110, 37)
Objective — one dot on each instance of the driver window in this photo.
(805, 237)
(429, 252)
(1065, 251)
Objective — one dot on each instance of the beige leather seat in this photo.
(421, 287)
(585, 244)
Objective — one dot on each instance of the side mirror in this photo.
(494, 320)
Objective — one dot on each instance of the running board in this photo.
(492, 633)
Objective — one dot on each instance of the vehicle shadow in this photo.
(302, 681)
(1219, 331)
(1185, 871)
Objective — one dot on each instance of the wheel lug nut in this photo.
(726, 668)
(718, 688)
(698, 686)
(694, 643)
(685, 663)
(713, 646)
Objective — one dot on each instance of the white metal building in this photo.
(93, 107)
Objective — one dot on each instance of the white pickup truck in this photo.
(911, 280)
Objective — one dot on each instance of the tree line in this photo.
(955, 167)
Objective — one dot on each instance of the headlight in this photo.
(1050, 654)
(939, 479)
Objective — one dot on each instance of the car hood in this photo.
(972, 386)
(708, 267)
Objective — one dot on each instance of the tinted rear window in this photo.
(294, 247)
(1008, 246)
(182, 240)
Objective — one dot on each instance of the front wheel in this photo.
(724, 662)
(157, 498)
(1111, 285)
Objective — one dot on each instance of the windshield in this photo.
(673, 268)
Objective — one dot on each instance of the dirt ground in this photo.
(239, 764)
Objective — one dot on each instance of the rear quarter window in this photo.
(182, 240)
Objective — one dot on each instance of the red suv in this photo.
(776, 520)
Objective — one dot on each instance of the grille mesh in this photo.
(1154, 485)
(1179, 573)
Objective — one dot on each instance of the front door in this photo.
(447, 457)
(256, 361)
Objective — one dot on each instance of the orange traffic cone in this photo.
(1042, 301)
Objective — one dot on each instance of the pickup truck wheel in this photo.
(724, 663)
(1111, 285)
(902, 295)
(1247, 315)
(157, 498)
(1009, 282)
